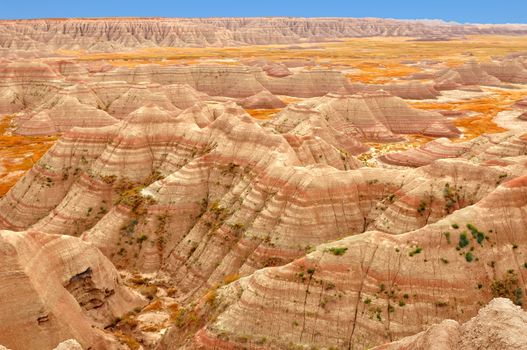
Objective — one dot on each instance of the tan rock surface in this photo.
(55, 288)
(95, 34)
(499, 325)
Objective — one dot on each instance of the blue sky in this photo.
(480, 11)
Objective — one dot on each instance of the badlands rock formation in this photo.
(108, 34)
(499, 325)
(280, 199)
(370, 116)
(262, 100)
(372, 288)
(70, 344)
(55, 288)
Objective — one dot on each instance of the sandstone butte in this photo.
(260, 201)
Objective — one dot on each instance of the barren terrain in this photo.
(262, 184)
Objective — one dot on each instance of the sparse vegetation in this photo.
(338, 251)
(509, 287)
(421, 208)
(415, 251)
(141, 239)
(463, 240)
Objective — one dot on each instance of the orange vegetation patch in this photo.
(127, 340)
(18, 154)
(263, 114)
(378, 52)
(486, 108)
(153, 306)
(289, 99)
(378, 149)
(379, 73)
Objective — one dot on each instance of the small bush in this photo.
(417, 250)
(508, 287)
(338, 251)
(148, 291)
(463, 240)
(141, 239)
(421, 208)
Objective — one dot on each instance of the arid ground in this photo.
(262, 184)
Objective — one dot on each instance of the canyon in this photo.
(262, 183)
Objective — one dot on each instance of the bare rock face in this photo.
(499, 325)
(371, 288)
(469, 74)
(508, 70)
(272, 69)
(485, 147)
(55, 288)
(307, 83)
(262, 100)
(63, 116)
(70, 344)
(407, 90)
(376, 116)
(284, 233)
(119, 34)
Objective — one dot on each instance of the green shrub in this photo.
(421, 208)
(338, 251)
(141, 239)
(463, 240)
(509, 287)
(417, 250)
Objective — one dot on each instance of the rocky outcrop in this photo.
(372, 288)
(499, 325)
(57, 287)
(112, 35)
(257, 203)
(262, 100)
(407, 90)
(70, 344)
(470, 74)
(508, 70)
(376, 116)
(485, 147)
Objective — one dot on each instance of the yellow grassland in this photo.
(18, 153)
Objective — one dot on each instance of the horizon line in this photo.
(255, 17)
